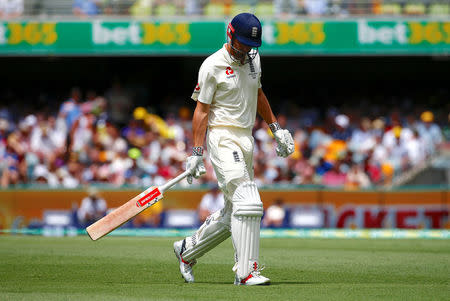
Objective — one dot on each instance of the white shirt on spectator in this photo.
(362, 141)
(211, 202)
(316, 7)
(416, 150)
(380, 154)
(83, 134)
(390, 141)
(431, 136)
(87, 207)
(42, 142)
(11, 7)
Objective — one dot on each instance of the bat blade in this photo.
(124, 213)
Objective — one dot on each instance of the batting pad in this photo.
(214, 230)
(245, 226)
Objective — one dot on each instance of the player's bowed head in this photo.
(244, 37)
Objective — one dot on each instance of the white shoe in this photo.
(185, 267)
(254, 278)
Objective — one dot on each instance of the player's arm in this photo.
(283, 137)
(194, 163)
(199, 123)
(264, 109)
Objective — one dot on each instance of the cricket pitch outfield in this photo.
(122, 268)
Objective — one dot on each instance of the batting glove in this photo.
(285, 143)
(195, 165)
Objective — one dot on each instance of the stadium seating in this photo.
(263, 8)
(390, 9)
(414, 8)
(439, 9)
(214, 9)
(166, 10)
(60, 7)
(141, 8)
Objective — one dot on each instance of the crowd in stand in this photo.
(105, 139)
(216, 8)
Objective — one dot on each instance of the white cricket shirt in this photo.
(230, 88)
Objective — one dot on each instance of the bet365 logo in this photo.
(386, 34)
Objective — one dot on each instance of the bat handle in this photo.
(173, 181)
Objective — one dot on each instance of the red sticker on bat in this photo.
(148, 197)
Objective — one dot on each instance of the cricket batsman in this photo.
(228, 95)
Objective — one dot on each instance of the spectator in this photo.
(11, 8)
(357, 178)
(92, 208)
(210, 203)
(430, 132)
(274, 215)
(192, 7)
(398, 154)
(9, 167)
(288, 7)
(70, 109)
(342, 130)
(85, 7)
(415, 148)
(362, 139)
(335, 177)
(316, 7)
(141, 8)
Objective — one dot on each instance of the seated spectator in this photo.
(92, 208)
(211, 202)
(192, 7)
(85, 7)
(70, 109)
(357, 178)
(429, 132)
(287, 7)
(9, 168)
(11, 8)
(142, 8)
(335, 177)
(416, 149)
(316, 7)
(342, 130)
(363, 139)
(274, 215)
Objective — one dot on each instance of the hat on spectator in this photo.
(28, 122)
(40, 172)
(427, 116)
(140, 113)
(397, 130)
(342, 120)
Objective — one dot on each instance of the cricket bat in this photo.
(130, 209)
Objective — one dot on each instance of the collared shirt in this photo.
(230, 88)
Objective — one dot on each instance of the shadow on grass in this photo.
(287, 282)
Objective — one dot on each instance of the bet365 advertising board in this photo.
(181, 37)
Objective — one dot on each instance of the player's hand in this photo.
(194, 164)
(285, 143)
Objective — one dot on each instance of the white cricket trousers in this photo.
(231, 153)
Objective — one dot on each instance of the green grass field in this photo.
(116, 268)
